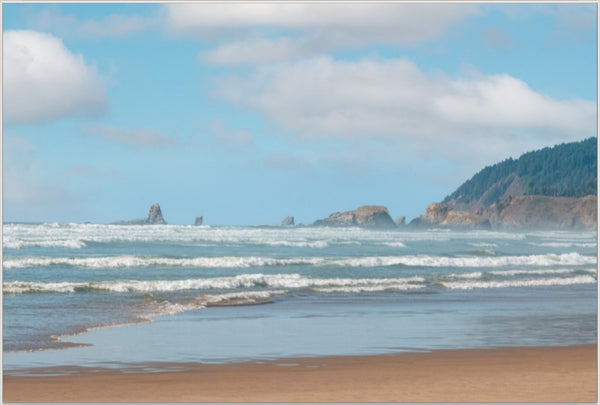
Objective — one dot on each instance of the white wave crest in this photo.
(10, 243)
(442, 261)
(227, 299)
(539, 272)
(279, 281)
(565, 244)
(474, 275)
(469, 285)
(483, 244)
(394, 244)
(126, 261)
(142, 261)
(506, 273)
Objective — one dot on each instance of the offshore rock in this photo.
(198, 220)
(155, 216)
(288, 221)
(368, 216)
(401, 221)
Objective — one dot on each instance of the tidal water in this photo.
(129, 296)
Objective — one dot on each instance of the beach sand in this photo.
(546, 374)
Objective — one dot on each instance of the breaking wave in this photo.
(278, 281)
(470, 285)
(125, 261)
(507, 273)
(292, 282)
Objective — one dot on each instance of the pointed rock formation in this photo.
(401, 221)
(198, 220)
(155, 216)
(288, 221)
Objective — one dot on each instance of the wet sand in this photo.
(545, 374)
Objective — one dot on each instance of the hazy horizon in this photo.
(247, 113)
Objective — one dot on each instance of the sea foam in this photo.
(278, 281)
(125, 261)
(470, 285)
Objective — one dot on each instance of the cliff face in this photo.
(521, 212)
(529, 211)
(443, 215)
(368, 216)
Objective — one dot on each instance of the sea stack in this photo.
(155, 216)
(401, 221)
(288, 221)
(368, 216)
(198, 220)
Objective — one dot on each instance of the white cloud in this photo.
(257, 50)
(139, 137)
(502, 101)
(396, 21)
(110, 26)
(44, 81)
(280, 30)
(394, 102)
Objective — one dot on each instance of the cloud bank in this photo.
(392, 100)
(110, 26)
(44, 81)
(262, 32)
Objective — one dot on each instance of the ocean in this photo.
(145, 297)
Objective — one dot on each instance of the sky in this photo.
(248, 112)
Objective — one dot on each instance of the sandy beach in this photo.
(547, 374)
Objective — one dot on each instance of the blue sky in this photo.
(246, 113)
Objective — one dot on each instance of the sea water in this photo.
(128, 296)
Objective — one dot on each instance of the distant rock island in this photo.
(549, 188)
(288, 221)
(368, 216)
(154, 218)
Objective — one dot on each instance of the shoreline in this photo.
(508, 374)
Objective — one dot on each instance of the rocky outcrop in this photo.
(520, 212)
(544, 212)
(288, 221)
(155, 215)
(154, 218)
(401, 221)
(565, 170)
(198, 220)
(368, 216)
(442, 215)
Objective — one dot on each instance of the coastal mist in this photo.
(131, 296)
